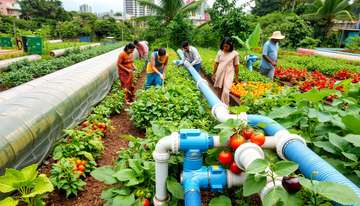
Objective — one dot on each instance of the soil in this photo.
(90, 195)
(2, 88)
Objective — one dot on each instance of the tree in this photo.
(106, 16)
(220, 8)
(328, 12)
(118, 14)
(180, 30)
(263, 7)
(167, 9)
(291, 4)
(26, 10)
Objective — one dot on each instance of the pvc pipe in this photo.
(306, 51)
(269, 186)
(337, 56)
(60, 52)
(54, 41)
(309, 162)
(271, 129)
(246, 154)
(161, 156)
(4, 64)
(217, 143)
(337, 52)
(234, 180)
(272, 141)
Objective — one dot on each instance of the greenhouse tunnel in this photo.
(33, 121)
(288, 146)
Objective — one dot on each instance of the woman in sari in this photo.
(125, 70)
(227, 63)
(156, 68)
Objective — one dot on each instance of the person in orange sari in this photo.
(227, 63)
(125, 70)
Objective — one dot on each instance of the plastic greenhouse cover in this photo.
(32, 122)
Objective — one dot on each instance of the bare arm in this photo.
(236, 74)
(165, 65)
(215, 69)
(268, 59)
(122, 67)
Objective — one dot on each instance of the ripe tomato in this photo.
(78, 162)
(104, 132)
(234, 168)
(248, 132)
(57, 161)
(69, 140)
(72, 159)
(225, 157)
(81, 167)
(100, 138)
(100, 125)
(76, 169)
(258, 138)
(81, 174)
(94, 127)
(102, 129)
(236, 141)
(145, 202)
(74, 172)
(85, 124)
(89, 131)
(83, 163)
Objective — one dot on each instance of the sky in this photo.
(106, 5)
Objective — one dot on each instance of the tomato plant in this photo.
(236, 140)
(258, 138)
(225, 157)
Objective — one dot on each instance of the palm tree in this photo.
(27, 10)
(292, 3)
(167, 9)
(329, 11)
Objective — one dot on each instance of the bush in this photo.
(309, 43)
(354, 43)
(205, 37)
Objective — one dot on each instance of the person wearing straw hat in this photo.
(269, 56)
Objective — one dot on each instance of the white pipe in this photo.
(54, 41)
(246, 154)
(60, 52)
(234, 180)
(161, 156)
(217, 143)
(272, 141)
(221, 113)
(4, 64)
(269, 186)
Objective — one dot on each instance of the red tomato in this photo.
(258, 138)
(85, 124)
(74, 172)
(234, 168)
(104, 132)
(58, 161)
(225, 157)
(81, 167)
(78, 162)
(69, 140)
(94, 127)
(236, 141)
(145, 202)
(100, 125)
(248, 132)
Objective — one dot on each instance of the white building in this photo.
(135, 9)
(85, 8)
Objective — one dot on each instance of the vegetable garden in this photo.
(108, 158)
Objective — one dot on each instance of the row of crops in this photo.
(24, 70)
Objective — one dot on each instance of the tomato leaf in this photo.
(239, 109)
(175, 188)
(352, 123)
(354, 139)
(258, 165)
(105, 174)
(251, 186)
(340, 193)
(225, 134)
(222, 200)
(284, 168)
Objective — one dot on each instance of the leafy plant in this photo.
(31, 187)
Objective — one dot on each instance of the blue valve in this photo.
(252, 58)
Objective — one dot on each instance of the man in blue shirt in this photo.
(269, 55)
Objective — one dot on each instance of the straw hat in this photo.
(277, 35)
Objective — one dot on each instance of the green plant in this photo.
(64, 176)
(31, 187)
(309, 43)
(354, 43)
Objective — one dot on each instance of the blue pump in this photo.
(195, 176)
(251, 60)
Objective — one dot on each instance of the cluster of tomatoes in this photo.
(96, 127)
(80, 166)
(144, 194)
(237, 139)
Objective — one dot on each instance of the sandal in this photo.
(127, 103)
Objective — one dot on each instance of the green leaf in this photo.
(354, 139)
(322, 116)
(251, 186)
(327, 146)
(307, 183)
(57, 154)
(225, 134)
(124, 200)
(239, 109)
(126, 174)
(340, 193)
(42, 186)
(88, 155)
(135, 165)
(254, 38)
(313, 95)
(175, 188)
(352, 123)
(258, 165)
(282, 112)
(107, 193)
(241, 42)
(222, 200)
(350, 156)
(9, 201)
(105, 174)
(284, 197)
(129, 137)
(7, 184)
(339, 142)
(284, 168)
(159, 130)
